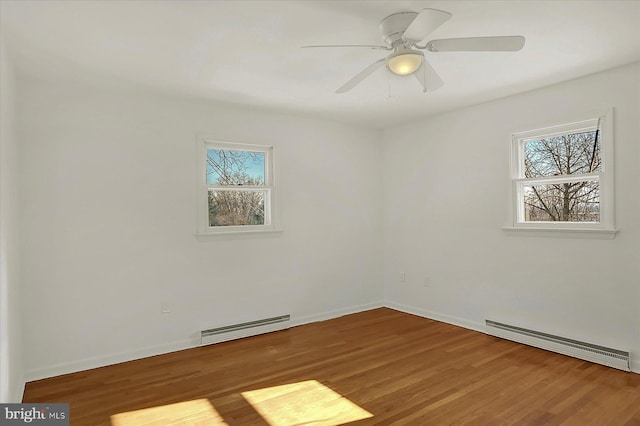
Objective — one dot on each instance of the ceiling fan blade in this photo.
(428, 77)
(476, 44)
(361, 76)
(368, 46)
(425, 23)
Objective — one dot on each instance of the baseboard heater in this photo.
(615, 358)
(245, 329)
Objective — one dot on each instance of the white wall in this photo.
(447, 196)
(108, 180)
(11, 369)
(109, 217)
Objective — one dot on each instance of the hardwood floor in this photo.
(379, 367)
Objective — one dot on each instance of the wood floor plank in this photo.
(379, 367)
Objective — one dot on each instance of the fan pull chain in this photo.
(424, 73)
(388, 85)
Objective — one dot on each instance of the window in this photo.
(563, 176)
(235, 187)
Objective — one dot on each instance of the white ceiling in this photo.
(248, 52)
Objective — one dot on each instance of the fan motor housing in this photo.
(393, 26)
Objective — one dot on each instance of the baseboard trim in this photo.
(102, 361)
(449, 319)
(96, 362)
(460, 322)
(307, 319)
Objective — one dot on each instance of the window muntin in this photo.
(559, 176)
(236, 187)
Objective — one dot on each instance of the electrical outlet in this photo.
(403, 277)
(165, 308)
(426, 282)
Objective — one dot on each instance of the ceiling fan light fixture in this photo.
(404, 62)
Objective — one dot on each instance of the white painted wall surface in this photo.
(447, 194)
(11, 368)
(109, 222)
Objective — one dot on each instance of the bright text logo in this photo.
(37, 414)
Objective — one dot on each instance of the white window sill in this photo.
(235, 233)
(602, 234)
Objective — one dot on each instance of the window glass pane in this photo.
(562, 202)
(235, 208)
(569, 154)
(229, 167)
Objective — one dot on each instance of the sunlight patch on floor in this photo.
(196, 412)
(308, 403)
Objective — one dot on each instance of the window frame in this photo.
(204, 230)
(604, 122)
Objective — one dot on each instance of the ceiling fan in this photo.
(404, 33)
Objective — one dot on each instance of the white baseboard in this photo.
(307, 319)
(460, 322)
(95, 362)
(101, 361)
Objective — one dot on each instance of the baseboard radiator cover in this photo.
(245, 329)
(615, 358)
